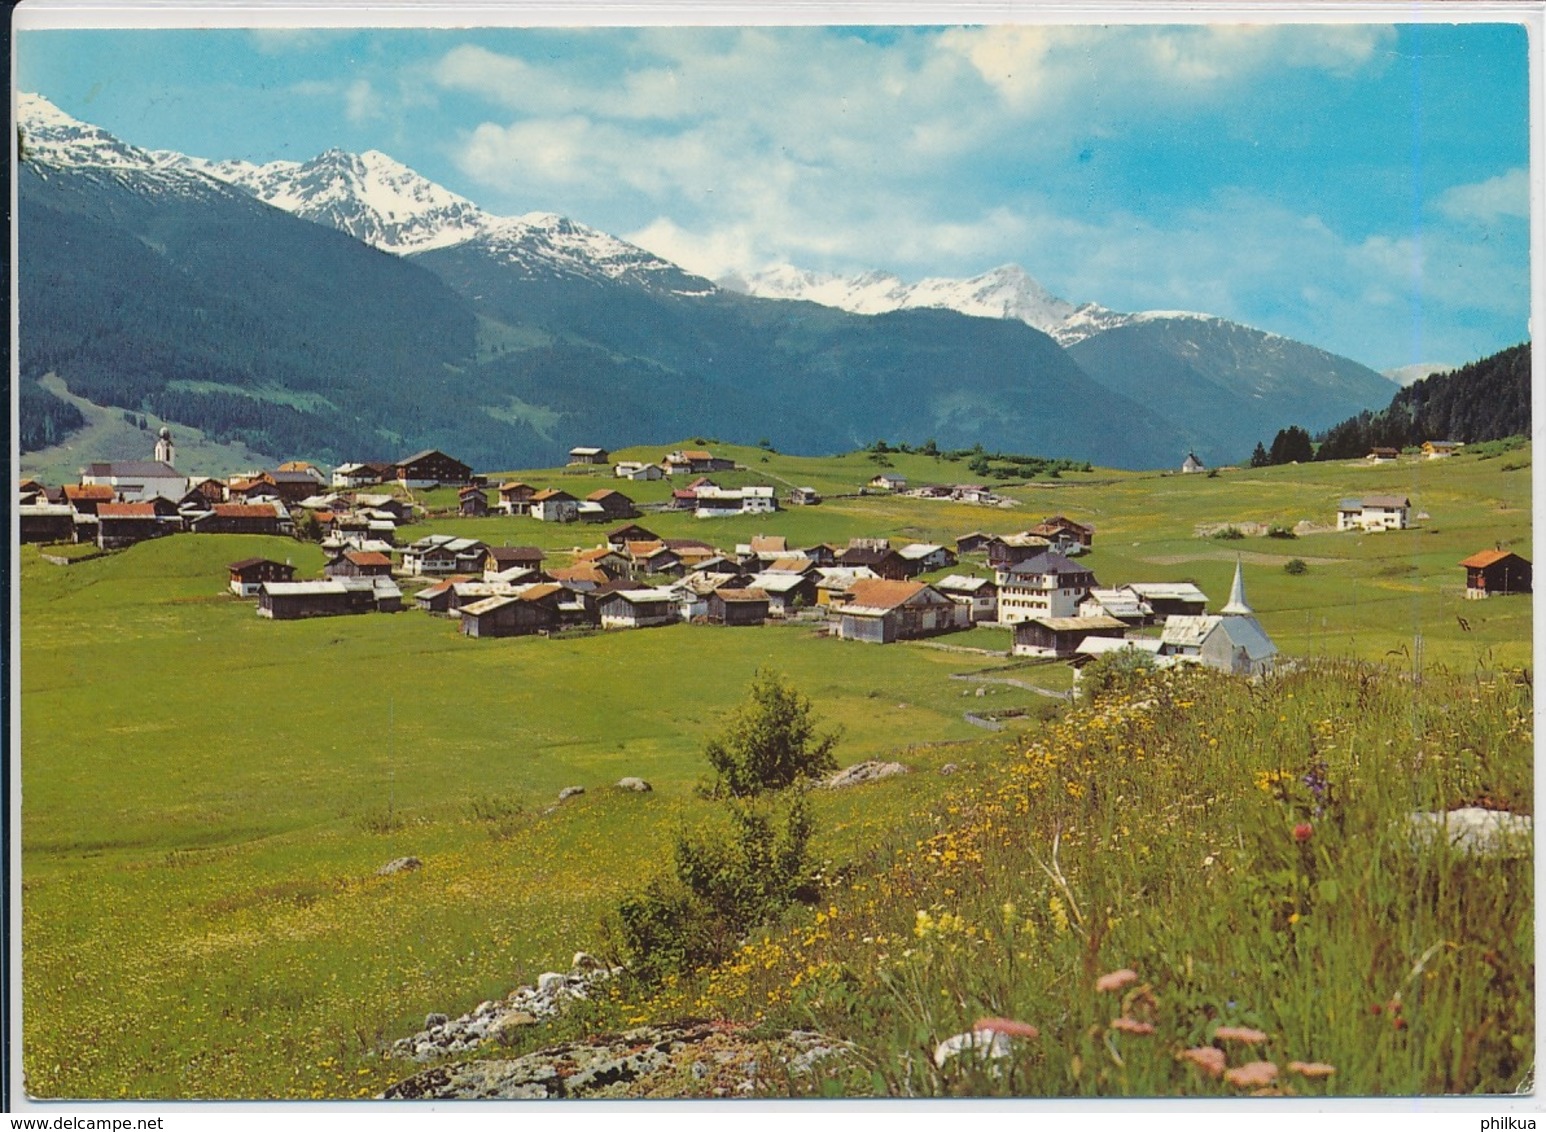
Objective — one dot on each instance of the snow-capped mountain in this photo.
(368, 195)
(1004, 292)
(541, 243)
(55, 138)
(373, 198)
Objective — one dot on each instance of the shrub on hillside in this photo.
(1229, 533)
(724, 883)
(1278, 530)
(770, 741)
(1295, 566)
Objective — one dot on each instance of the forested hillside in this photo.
(1486, 400)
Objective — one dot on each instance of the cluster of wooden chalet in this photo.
(1430, 450)
(866, 591)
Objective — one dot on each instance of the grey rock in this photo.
(868, 771)
(551, 982)
(570, 792)
(400, 865)
(637, 785)
(949, 768)
(1475, 830)
(433, 1020)
(584, 963)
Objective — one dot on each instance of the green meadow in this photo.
(207, 795)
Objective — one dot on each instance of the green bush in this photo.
(1278, 530)
(725, 882)
(1229, 533)
(1295, 566)
(770, 741)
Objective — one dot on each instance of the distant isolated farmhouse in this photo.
(1490, 572)
(1374, 513)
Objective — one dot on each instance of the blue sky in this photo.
(1364, 188)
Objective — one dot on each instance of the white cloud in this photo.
(1486, 202)
(360, 102)
(1043, 68)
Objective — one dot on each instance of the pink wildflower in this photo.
(1116, 980)
(1132, 1026)
(1304, 831)
(1006, 1026)
(1252, 1075)
(1206, 1058)
(1311, 1068)
(1239, 1034)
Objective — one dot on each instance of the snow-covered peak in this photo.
(369, 195)
(1004, 292)
(544, 242)
(52, 137)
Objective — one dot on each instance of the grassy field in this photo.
(206, 795)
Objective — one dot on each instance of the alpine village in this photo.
(548, 729)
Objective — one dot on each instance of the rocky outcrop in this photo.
(868, 771)
(686, 1059)
(637, 785)
(525, 1006)
(400, 865)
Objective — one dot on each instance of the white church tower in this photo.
(1237, 603)
(164, 450)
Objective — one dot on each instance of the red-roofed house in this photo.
(1491, 572)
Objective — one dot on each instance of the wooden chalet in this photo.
(250, 573)
(973, 542)
(883, 611)
(515, 498)
(359, 564)
(695, 461)
(1005, 551)
(585, 455)
(1168, 599)
(535, 609)
(638, 472)
(636, 608)
(1439, 449)
(887, 481)
(727, 606)
(978, 595)
(289, 601)
(429, 468)
(1060, 528)
(614, 504)
(554, 506)
(1383, 455)
(45, 522)
(498, 559)
(1060, 636)
(887, 564)
(124, 524)
(787, 593)
(85, 498)
(242, 519)
(1490, 573)
(472, 502)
